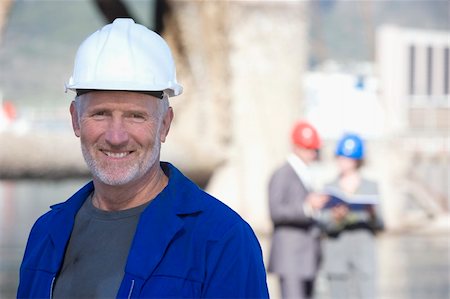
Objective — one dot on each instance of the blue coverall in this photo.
(187, 245)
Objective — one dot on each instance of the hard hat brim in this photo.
(174, 90)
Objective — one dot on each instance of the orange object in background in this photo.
(10, 110)
(305, 135)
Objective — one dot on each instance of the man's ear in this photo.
(75, 119)
(167, 121)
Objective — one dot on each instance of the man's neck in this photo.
(133, 194)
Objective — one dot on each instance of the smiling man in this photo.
(140, 229)
(121, 134)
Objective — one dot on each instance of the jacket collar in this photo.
(63, 222)
(302, 170)
(160, 222)
(179, 192)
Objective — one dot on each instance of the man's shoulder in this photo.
(209, 215)
(283, 169)
(220, 214)
(283, 173)
(214, 215)
(70, 205)
(213, 212)
(192, 197)
(44, 221)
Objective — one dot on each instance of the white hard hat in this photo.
(124, 56)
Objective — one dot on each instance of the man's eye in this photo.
(137, 117)
(99, 114)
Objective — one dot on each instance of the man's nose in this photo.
(116, 134)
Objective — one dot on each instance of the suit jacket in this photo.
(295, 243)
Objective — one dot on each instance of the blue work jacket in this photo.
(187, 245)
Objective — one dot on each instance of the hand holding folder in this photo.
(355, 202)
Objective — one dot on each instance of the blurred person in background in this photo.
(140, 229)
(350, 219)
(295, 251)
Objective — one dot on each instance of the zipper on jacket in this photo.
(51, 287)
(131, 289)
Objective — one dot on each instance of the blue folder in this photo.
(355, 202)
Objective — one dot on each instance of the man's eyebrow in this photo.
(136, 111)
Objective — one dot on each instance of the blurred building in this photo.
(413, 69)
(344, 99)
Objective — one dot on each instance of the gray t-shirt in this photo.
(96, 255)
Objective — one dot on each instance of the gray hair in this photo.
(77, 103)
(163, 106)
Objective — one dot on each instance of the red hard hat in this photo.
(305, 135)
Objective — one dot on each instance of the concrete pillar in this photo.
(5, 6)
(241, 63)
(267, 42)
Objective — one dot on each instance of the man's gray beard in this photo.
(134, 171)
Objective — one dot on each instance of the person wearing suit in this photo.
(295, 251)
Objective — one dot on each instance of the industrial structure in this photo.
(413, 69)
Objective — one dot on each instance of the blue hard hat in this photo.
(350, 146)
